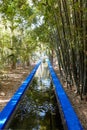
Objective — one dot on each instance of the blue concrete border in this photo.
(12, 104)
(69, 114)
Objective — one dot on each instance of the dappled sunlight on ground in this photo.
(84, 113)
(14, 75)
(10, 84)
(4, 101)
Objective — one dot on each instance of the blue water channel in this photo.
(38, 109)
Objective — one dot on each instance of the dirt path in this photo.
(10, 84)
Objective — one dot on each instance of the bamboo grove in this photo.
(66, 23)
(16, 37)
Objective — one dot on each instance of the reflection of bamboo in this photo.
(51, 117)
(44, 70)
(51, 124)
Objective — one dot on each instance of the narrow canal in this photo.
(38, 109)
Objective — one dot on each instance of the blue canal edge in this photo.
(69, 114)
(12, 104)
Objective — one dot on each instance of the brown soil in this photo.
(10, 82)
(15, 78)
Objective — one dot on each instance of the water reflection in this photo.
(38, 108)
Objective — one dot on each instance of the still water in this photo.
(38, 109)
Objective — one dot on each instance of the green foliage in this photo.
(17, 16)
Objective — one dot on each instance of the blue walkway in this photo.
(9, 109)
(71, 120)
